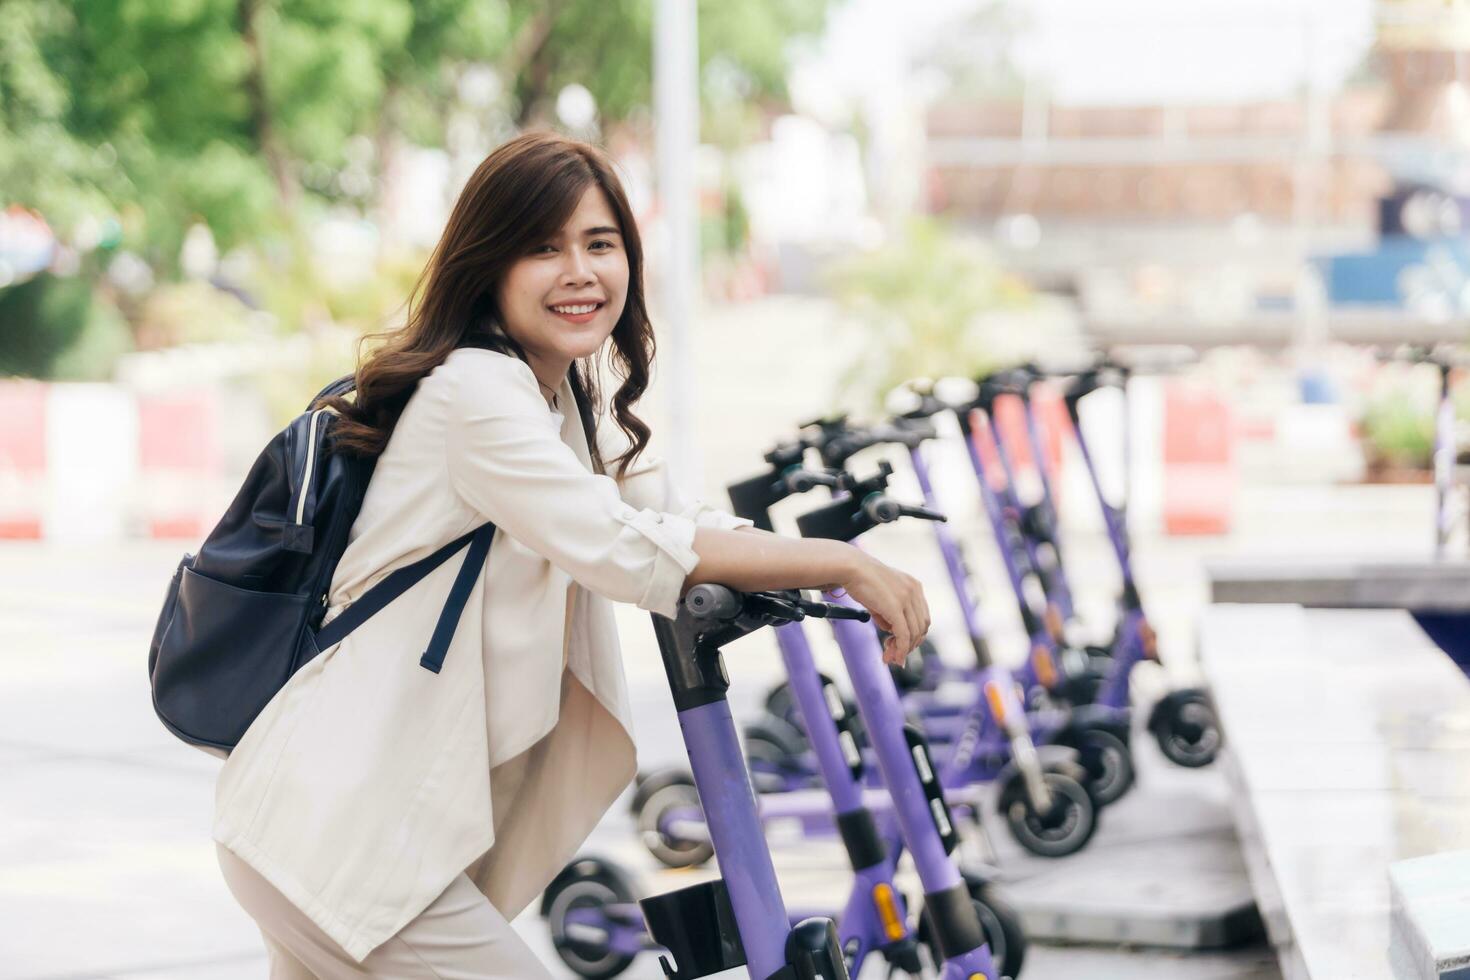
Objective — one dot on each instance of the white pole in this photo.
(676, 129)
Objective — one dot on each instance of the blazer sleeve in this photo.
(646, 483)
(507, 461)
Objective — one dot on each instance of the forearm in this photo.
(751, 560)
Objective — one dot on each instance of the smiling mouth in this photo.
(575, 309)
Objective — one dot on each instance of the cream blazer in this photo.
(364, 787)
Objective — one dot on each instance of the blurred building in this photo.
(1214, 211)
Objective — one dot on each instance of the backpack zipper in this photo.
(310, 466)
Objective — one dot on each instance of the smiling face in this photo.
(561, 300)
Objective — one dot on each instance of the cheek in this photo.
(615, 280)
(521, 293)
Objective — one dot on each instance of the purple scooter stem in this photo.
(1136, 641)
(1041, 668)
(1058, 596)
(883, 716)
(741, 852)
(1059, 587)
(874, 916)
(806, 687)
(954, 561)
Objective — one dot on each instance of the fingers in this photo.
(896, 602)
(915, 620)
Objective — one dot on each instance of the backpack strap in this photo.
(344, 384)
(405, 578)
(459, 594)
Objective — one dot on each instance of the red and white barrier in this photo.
(22, 459)
(180, 457)
(89, 462)
(1199, 461)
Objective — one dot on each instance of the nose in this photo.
(578, 270)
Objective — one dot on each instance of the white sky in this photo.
(1110, 51)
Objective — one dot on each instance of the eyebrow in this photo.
(602, 230)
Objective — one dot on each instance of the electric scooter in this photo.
(1100, 736)
(740, 918)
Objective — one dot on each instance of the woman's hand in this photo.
(753, 561)
(897, 603)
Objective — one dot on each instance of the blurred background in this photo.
(204, 205)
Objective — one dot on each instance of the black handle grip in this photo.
(714, 602)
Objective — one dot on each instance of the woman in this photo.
(382, 820)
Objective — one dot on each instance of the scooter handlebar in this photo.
(800, 480)
(831, 610)
(720, 603)
(883, 509)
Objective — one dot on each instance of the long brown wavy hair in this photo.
(517, 199)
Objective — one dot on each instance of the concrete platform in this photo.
(1165, 870)
(1431, 906)
(1348, 748)
(1343, 583)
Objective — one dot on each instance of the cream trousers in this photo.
(460, 936)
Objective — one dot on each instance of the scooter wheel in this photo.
(658, 798)
(1189, 732)
(773, 751)
(586, 883)
(1002, 924)
(1108, 762)
(1064, 829)
(782, 703)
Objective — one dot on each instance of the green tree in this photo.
(607, 47)
(921, 302)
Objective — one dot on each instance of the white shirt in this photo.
(364, 786)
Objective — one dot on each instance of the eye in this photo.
(601, 245)
(543, 249)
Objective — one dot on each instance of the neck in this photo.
(550, 373)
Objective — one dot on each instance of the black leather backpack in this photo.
(245, 613)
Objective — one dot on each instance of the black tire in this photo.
(665, 792)
(1189, 734)
(1064, 830)
(586, 883)
(772, 766)
(784, 735)
(650, 783)
(782, 704)
(1107, 760)
(1002, 924)
(1003, 932)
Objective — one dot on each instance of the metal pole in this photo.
(676, 130)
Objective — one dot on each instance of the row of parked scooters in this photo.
(902, 758)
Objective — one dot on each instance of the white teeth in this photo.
(575, 310)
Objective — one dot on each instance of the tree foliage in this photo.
(236, 112)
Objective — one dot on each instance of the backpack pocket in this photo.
(223, 654)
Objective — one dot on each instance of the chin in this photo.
(580, 347)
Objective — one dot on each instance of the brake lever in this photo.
(831, 610)
(774, 608)
(923, 514)
(802, 480)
